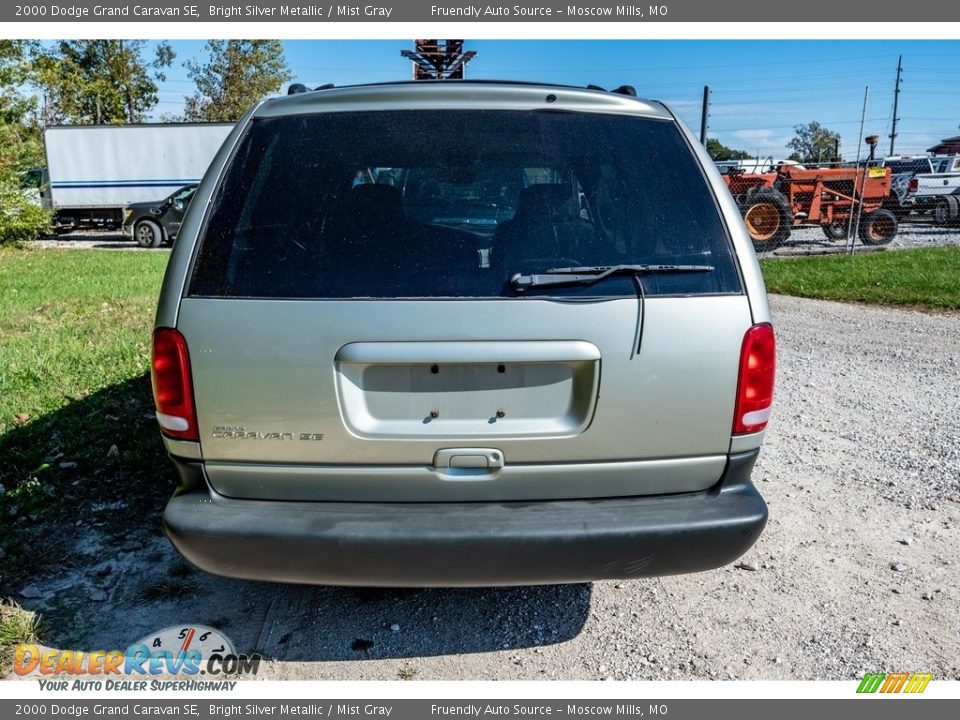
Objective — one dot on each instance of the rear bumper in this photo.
(467, 544)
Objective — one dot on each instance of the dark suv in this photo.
(152, 224)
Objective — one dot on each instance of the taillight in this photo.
(758, 359)
(913, 185)
(172, 386)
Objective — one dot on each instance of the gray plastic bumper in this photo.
(467, 544)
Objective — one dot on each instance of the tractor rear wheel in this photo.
(767, 216)
(878, 228)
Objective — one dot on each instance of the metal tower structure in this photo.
(438, 59)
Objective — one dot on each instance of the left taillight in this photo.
(758, 360)
(172, 385)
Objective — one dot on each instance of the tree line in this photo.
(97, 82)
(811, 143)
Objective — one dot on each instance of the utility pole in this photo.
(705, 115)
(896, 98)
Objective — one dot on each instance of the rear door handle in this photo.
(488, 458)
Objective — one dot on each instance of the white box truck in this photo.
(93, 171)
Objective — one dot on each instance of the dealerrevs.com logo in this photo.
(184, 652)
(910, 683)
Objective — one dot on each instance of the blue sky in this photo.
(760, 89)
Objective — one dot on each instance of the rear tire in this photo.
(836, 230)
(767, 216)
(947, 211)
(148, 234)
(878, 228)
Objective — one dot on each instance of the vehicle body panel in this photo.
(116, 165)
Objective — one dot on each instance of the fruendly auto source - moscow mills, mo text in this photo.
(486, 11)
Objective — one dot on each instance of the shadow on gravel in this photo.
(83, 545)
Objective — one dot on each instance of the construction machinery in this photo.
(838, 199)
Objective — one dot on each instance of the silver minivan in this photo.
(462, 333)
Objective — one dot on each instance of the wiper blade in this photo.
(593, 274)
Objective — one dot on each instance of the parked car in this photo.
(937, 189)
(366, 374)
(152, 224)
(903, 170)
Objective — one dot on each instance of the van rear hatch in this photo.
(378, 313)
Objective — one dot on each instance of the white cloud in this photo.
(761, 139)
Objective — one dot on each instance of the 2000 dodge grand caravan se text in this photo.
(462, 333)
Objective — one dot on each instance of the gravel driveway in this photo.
(857, 570)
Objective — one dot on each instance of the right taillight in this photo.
(172, 385)
(913, 185)
(758, 360)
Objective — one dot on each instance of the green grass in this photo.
(16, 626)
(74, 360)
(925, 277)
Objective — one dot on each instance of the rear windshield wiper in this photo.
(592, 275)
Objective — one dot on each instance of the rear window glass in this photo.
(921, 165)
(453, 204)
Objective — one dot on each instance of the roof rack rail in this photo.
(628, 90)
(297, 88)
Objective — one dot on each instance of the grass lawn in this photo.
(78, 444)
(16, 626)
(924, 277)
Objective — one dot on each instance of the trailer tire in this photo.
(878, 228)
(836, 230)
(767, 216)
(148, 234)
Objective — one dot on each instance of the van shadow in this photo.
(86, 550)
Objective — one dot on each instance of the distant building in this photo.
(947, 146)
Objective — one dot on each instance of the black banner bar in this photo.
(259, 11)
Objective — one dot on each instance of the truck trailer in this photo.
(93, 171)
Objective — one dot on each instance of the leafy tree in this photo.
(99, 81)
(814, 143)
(21, 217)
(20, 142)
(237, 74)
(719, 151)
(14, 71)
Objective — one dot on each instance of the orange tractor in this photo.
(833, 198)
